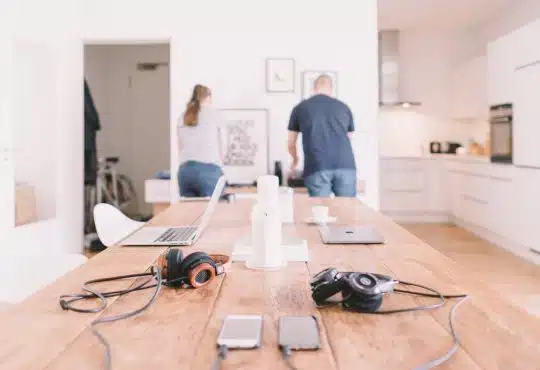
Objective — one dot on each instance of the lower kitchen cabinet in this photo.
(412, 189)
(500, 203)
(504, 199)
(527, 205)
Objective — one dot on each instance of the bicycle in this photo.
(110, 187)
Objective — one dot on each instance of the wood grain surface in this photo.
(180, 330)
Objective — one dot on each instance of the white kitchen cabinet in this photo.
(526, 124)
(413, 189)
(403, 185)
(437, 192)
(454, 192)
(500, 66)
(499, 202)
(527, 207)
(503, 199)
(469, 90)
(524, 42)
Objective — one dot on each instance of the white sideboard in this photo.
(500, 203)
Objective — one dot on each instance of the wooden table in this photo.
(238, 190)
(179, 331)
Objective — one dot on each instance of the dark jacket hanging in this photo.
(91, 126)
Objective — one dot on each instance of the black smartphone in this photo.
(299, 332)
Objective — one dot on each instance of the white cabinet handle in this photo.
(473, 199)
(504, 179)
(527, 65)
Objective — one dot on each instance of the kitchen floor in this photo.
(517, 280)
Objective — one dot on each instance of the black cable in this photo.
(445, 296)
(435, 294)
(222, 354)
(155, 273)
(68, 304)
(287, 356)
(407, 309)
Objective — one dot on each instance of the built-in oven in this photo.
(500, 125)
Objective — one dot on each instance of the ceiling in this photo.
(407, 14)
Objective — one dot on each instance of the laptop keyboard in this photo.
(178, 234)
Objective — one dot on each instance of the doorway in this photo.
(127, 140)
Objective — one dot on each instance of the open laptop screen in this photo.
(218, 190)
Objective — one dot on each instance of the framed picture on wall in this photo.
(280, 75)
(309, 77)
(245, 138)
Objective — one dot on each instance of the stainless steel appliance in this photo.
(500, 122)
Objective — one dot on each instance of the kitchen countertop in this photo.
(465, 157)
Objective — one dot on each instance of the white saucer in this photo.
(329, 220)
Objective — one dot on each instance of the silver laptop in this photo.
(350, 235)
(178, 235)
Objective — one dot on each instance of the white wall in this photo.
(35, 117)
(428, 59)
(134, 110)
(225, 48)
(7, 193)
(56, 102)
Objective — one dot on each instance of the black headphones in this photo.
(361, 292)
(195, 270)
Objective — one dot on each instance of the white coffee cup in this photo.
(319, 213)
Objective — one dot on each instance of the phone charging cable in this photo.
(222, 354)
(287, 356)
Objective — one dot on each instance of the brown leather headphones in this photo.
(196, 269)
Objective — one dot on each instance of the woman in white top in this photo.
(200, 146)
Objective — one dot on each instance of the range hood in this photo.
(390, 94)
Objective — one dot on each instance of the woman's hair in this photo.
(191, 115)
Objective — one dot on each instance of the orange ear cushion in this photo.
(201, 275)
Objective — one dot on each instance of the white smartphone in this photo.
(241, 331)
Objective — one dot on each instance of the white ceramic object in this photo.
(266, 230)
(319, 213)
(328, 220)
(286, 204)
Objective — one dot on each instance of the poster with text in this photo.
(245, 139)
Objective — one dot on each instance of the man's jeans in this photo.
(341, 182)
(197, 179)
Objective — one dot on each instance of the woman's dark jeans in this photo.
(197, 179)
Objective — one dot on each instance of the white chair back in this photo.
(112, 225)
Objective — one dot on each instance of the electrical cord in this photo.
(155, 273)
(67, 304)
(222, 354)
(438, 361)
(434, 294)
(287, 356)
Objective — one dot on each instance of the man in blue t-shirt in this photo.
(326, 125)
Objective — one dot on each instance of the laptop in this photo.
(350, 235)
(177, 235)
